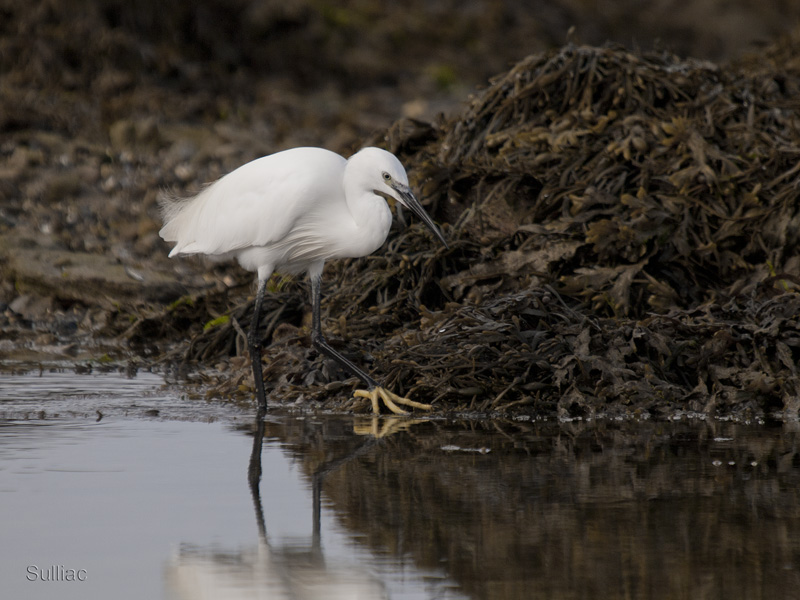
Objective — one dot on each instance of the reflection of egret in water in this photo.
(267, 571)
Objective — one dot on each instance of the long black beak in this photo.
(408, 200)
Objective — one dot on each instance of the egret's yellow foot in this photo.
(390, 399)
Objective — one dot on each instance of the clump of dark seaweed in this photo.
(657, 182)
(623, 240)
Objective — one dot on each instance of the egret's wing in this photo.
(258, 204)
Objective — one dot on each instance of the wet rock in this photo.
(32, 307)
(61, 185)
(126, 133)
(82, 276)
(122, 133)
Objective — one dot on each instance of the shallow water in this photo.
(103, 480)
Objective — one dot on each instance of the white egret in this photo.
(291, 211)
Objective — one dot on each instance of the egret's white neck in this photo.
(372, 218)
(370, 213)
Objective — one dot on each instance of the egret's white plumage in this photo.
(291, 211)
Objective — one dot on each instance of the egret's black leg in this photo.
(375, 391)
(254, 345)
(319, 341)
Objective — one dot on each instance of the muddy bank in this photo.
(622, 225)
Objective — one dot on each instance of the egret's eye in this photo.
(386, 176)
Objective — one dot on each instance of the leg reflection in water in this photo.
(272, 570)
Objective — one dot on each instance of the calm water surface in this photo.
(117, 487)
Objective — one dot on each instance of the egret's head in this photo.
(388, 178)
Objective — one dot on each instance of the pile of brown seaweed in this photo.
(623, 237)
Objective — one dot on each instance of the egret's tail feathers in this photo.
(170, 205)
(178, 214)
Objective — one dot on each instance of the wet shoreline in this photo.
(621, 221)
